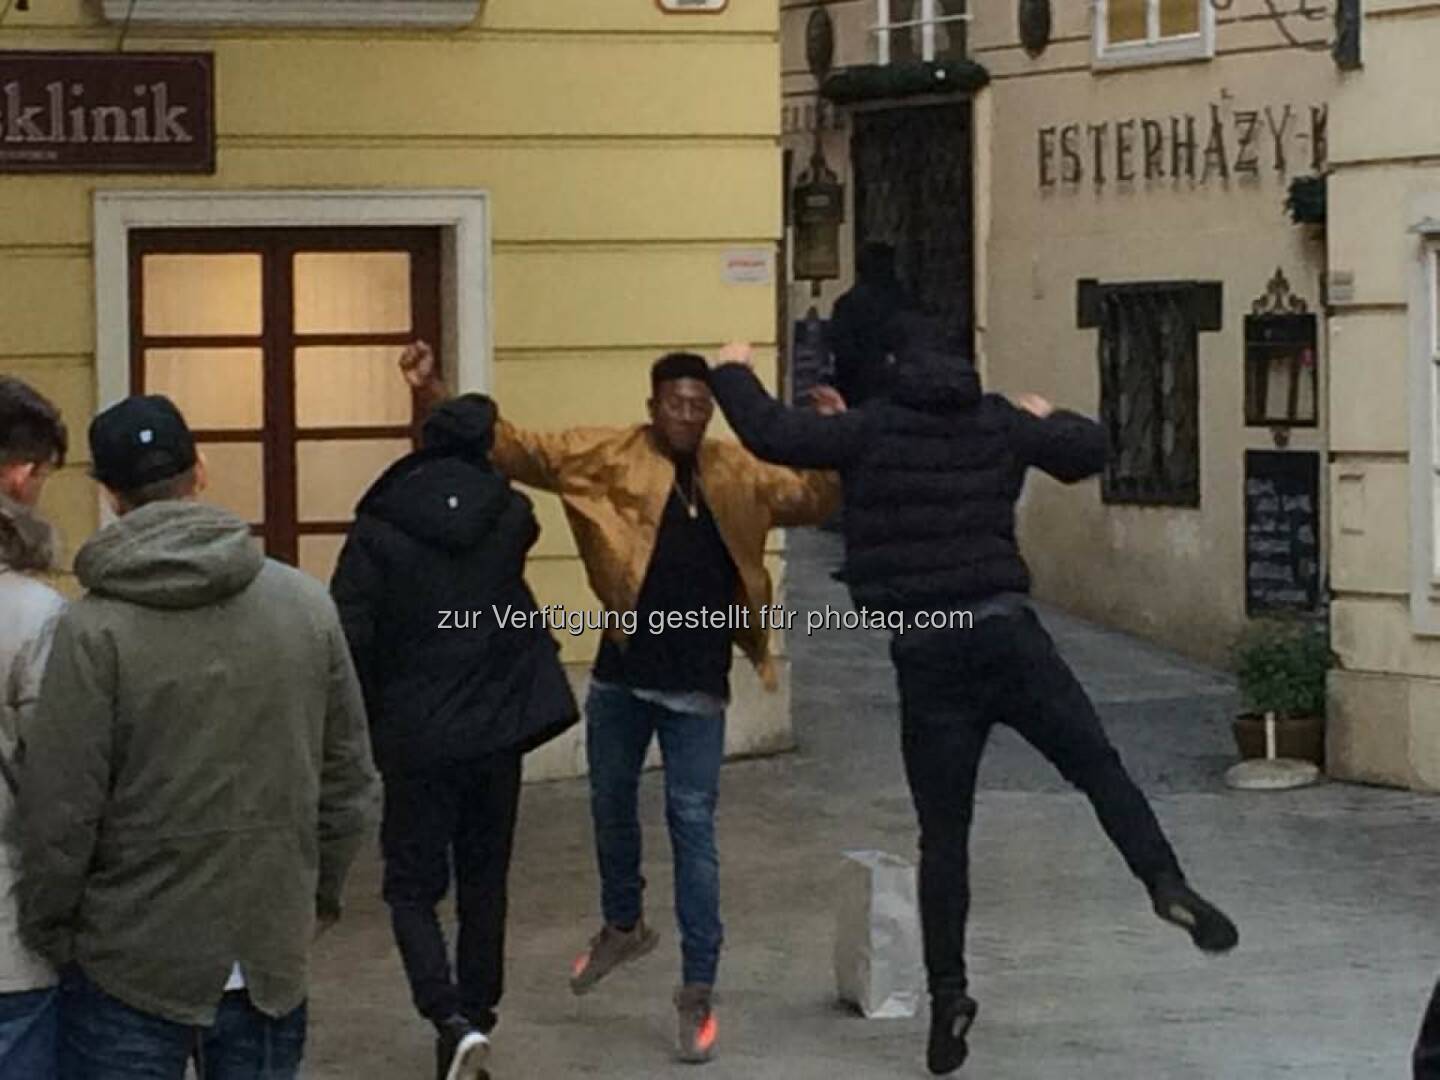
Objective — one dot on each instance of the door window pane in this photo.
(216, 389)
(235, 479)
(352, 292)
(202, 295)
(318, 555)
(350, 386)
(1125, 20)
(1180, 17)
(334, 473)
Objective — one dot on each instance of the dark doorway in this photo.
(914, 190)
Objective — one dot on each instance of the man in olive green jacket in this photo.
(198, 781)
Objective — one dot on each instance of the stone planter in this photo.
(1300, 737)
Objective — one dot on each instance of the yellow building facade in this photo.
(556, 191)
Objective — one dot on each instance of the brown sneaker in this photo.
(609, 949)
(698, 1029)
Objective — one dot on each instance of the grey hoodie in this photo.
(29, 610)
(199, 779)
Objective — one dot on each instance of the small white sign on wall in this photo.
(691, 7)
(749, 266)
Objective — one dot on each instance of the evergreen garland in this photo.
(869, 82)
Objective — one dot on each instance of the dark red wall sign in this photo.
(107, 112)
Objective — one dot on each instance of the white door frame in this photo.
(465, 288)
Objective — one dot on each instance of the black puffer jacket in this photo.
(442, 532)
(931, 476)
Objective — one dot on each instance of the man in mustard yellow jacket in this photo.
(671, 526)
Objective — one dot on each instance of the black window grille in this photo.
(1150, 393)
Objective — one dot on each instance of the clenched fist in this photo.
(827, 400)
(737, 352)
(417, 364)
(1034, 403)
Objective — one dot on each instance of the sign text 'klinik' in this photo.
(104, 112)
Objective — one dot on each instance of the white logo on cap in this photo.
(453, 502)
(147, 436)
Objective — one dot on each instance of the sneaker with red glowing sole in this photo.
(608, 949)
(697, 1028)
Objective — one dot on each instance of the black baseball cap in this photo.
(141, 440)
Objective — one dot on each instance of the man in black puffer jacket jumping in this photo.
(931, 476)
(455, 699)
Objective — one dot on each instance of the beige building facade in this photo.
(1384, 230)
(1129, 168)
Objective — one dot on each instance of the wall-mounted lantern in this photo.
(1282, 383)
(818, 207)
(818, 212)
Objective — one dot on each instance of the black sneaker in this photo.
(485, 1020)
(950, 1018)
(1208, 926)
(460, 1051)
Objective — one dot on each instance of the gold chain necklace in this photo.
(692, 501)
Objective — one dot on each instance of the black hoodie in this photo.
(434, 562)
(931, 475)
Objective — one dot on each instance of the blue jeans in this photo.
(619, 727)
(29, 1029)
(104, 1039)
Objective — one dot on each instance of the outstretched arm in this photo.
(549, 461)
(1068, 446)
(798, 496)
(775, 432)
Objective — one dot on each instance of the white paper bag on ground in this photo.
(879, 958)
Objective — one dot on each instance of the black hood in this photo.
(464, 425)
(441, 499)
(934, 381)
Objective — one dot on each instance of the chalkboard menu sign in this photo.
(1282, 531)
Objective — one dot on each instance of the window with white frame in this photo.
(911, 30)
(1153, 31)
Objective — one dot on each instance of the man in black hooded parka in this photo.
(931, 473)
(455, 699)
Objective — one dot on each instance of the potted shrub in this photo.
(1281, 666)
